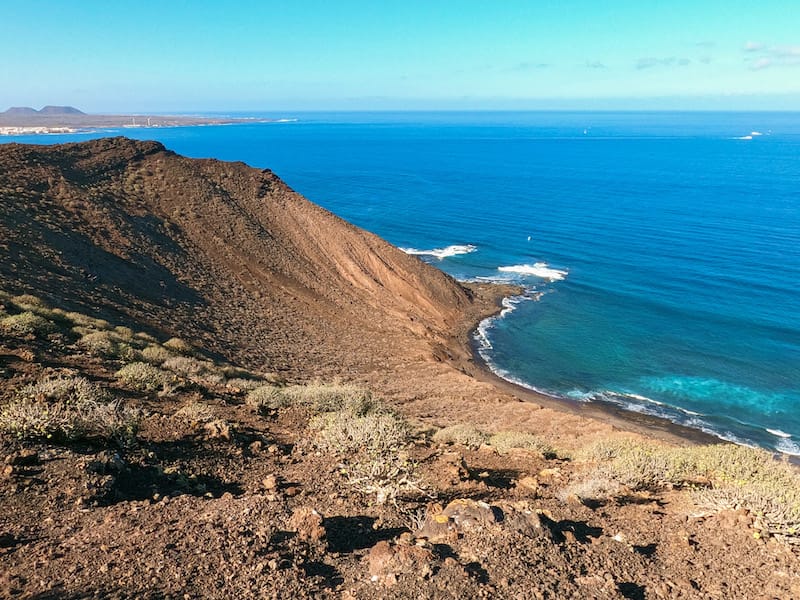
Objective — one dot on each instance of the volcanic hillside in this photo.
(220, 253)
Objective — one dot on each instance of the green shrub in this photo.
(27, 323)
(505, 441)
(145, 377)
(462, 434)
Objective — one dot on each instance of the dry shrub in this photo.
(68, 408)
(107, 344)
(372, 445)
(376, 433)
(87, 321)
(266, 398)
(247, 385)
(195, 412)
(156, 354)
(146, 378)
(506, 441)
(461, 434)
(28, 301)
(27, 323)
(125, 333)
(330, 397)
(68, 390)
(188, 367)
(178, 346)
(736, 476)
(594, 487)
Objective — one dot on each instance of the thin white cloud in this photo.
(650, 62)
(530, 66)
(771, 56)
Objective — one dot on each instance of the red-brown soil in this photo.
(232, 260)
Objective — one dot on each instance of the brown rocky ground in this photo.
(216, 498)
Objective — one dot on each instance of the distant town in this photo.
(24, 120)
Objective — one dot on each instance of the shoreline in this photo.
(646, 425)
(14, 125)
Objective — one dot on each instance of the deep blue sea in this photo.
(660, 251)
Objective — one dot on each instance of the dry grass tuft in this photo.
(506, 441)
(461, 434)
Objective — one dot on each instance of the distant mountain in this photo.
(60, 110)
(21, 111)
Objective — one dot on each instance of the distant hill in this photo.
(47, 110)
(20, 111)
(60, 110)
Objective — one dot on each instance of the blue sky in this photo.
(121, 56)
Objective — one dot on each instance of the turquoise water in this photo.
(660, 251)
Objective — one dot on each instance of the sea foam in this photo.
(539, 269)
(441, 253)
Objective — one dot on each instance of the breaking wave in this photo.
(441, 253)
(539, 269)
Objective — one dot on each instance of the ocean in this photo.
(659, 252)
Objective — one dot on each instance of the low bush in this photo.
(372, 442)
(729, 476)
(266, 398)
(188, 367)
(27, 323)
(28, 301)
(156, 354)
(593, 487)
(195, 412)
(247, 385)
(67, 409)
(506, 441)
(107, 344)
(146, 378)
(178, 346)
(330, 397)
(461, 434)
(374, 434)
